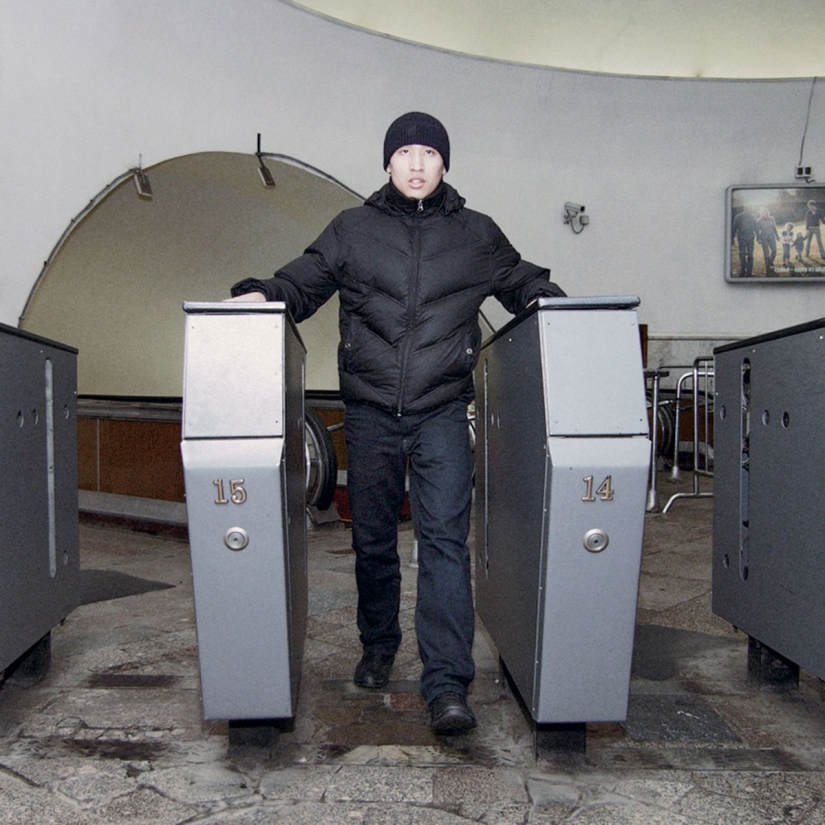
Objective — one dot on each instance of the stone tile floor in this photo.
(115, 733)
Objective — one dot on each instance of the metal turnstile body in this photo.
(562, 461)
(39, 552)
(768, 564)
(244, 469)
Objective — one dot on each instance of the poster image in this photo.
(774, 234)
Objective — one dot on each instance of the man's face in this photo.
(416, 170)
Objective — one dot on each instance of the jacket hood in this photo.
(388, 199)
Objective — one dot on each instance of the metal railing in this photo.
(700, 383)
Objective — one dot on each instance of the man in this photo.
(412, 267)
(743, 231)
(768, 235)
(813, 219)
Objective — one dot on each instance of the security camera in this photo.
(574, 217)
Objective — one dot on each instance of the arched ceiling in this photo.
(114, 289)
(700, 38)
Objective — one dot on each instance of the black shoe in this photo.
(373, 671)
(450, 713)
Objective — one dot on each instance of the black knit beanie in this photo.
(417, 128)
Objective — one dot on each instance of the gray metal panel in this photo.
(562, 616)
(589, 598)
(510, 476)
(39, 554)
(245, 492)
(233, 373)
(729, 597)
(769, 569)
(241, 602)
(592, 363)
(295, 468)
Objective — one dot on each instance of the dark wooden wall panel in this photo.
(131, 458)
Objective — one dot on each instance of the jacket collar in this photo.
(443, 200)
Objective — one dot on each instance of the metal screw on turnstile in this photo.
(236, 538)
(595, 540)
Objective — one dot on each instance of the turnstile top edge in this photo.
(808, 326)
(229, 307)
(16, 332)
(591, 302)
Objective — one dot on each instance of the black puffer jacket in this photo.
(411, 276)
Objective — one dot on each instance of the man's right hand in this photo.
(249, 297)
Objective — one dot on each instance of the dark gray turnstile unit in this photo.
(39, 554)
(244, 470)
(768, 564)
(562, 461)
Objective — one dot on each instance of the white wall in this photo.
(89, 86)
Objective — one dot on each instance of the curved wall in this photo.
(90, 87)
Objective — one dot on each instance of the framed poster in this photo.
(774, 233)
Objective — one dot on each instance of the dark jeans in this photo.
(814, 232)
(746, 256)
(437, 447)
(769, 251)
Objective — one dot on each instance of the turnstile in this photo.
(39, 551)
(244, 469)
(562, 461)
(768, 566)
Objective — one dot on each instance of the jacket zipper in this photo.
(411, 306)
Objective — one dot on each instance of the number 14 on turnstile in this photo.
(604, 491)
